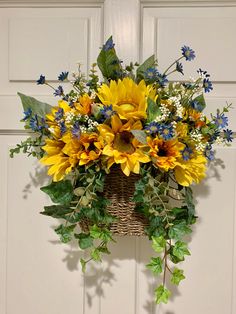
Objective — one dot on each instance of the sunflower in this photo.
(127, 98)
(84, 104)
(64, 154)
(192, 170)
(165, 154)
(121, 146)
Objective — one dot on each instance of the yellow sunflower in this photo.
(64, 154)
(165, 154)
(84, 104)
(127, 98)
(192, 170)
(60, 164)
(121, 146)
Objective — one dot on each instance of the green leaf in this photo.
(57, 211)
(152, 110)
(201, 102)
(95, 232)
(83, 265)
(108, 63)
(162, 294)
(148, 63)
(140, 135)
(180, 250)
(37, 107)
(60, 192)
(155, 265)
(96, 255)
(177, 276)
(65, 232)
(158, 244)
(99, 233)
(85, 241)
(178, 230)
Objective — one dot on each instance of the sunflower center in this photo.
(162, 151)
(123, 142)
(127, 107)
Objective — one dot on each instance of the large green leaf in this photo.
(109, 63)
(37, 107)
(147, 64)
(57, 211)
(60, 192)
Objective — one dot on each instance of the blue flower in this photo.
(188, 53)
(207, 85)
(107, 111)
(209, 153)
(221, 121)
(186, 153)
(179, 67)
(41, 80)
(36, 125)
(59, 91)
(76, 131)
(62, 127)
(151, 74)
(108, 45)
(63, 76)
(27, 114)
(228, 135)
(166, 131)
(59, 114)
(161, 79)
(153, 127)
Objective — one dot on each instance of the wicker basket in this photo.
(119, 189)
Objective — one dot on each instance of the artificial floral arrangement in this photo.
(123, 154)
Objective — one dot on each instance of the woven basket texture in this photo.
(119, 189)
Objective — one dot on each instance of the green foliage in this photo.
(60, 192)
(179, 229)
(85, 240)
(162, 294)
(152, 110)
(201, 102)
(177, 276)
(158, 244)
(37, 107)
(108, 63)
(57, 211)
(31, 146)
(147, 64)
(65, 232)
(155, 265)
(180, 250)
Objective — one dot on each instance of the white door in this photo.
(38, 275)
